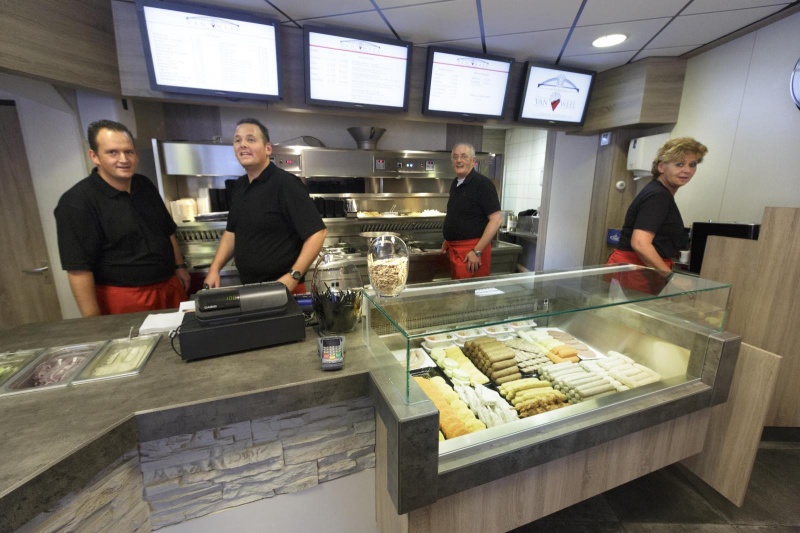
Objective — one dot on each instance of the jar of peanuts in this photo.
(387, 264)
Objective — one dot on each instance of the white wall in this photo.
(570, 198)
(736, 101)
(344, 505)
(52, 137)
(523, 168)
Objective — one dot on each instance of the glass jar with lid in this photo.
(387, 264)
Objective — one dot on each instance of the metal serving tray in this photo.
(13, 362)
(119, 358)
(53, 369)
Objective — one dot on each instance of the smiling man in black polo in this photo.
(274, 230)
(115, 237)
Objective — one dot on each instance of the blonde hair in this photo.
(675, 149)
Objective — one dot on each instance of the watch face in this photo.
(296, 275)
(794, 84)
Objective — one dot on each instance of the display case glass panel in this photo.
(623, 331)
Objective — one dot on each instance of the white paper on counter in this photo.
(161, 322)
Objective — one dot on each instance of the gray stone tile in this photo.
(661, 498)
(766, 529)
(772, 497)
(546, 526)
(678, 528)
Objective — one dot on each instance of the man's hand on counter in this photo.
(289, 281)
(212, 279)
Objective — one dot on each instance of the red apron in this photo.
(457, 255)
(644, 282)
(115, 300)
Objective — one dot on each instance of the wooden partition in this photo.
(765, 300)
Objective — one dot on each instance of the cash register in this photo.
(240, 318)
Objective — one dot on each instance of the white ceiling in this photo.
(554, 31)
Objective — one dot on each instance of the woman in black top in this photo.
(653, 228)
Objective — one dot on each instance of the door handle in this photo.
(40, 270)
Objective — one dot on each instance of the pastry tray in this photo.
(119, 358)
(53, 369)
(13, 362)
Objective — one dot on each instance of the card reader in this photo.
(331, 352)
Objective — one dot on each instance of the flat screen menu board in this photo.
(465, 84)
(555, 95)
(202, 50)
(353, 69)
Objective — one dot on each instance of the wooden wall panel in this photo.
(529, 495)
(766, 299)
(644, 93)
(68, 42)
(185, 122)
(734, 429)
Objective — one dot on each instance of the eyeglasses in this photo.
(462, 157)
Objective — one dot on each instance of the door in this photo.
(27, 292)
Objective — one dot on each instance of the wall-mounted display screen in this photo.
(352, 69)
(555, 95)
(465, 84)
(202, 50)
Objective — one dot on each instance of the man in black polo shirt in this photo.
(473, 217)
(115, 237)
(274, 230)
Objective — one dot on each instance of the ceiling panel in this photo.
(598, 62)
(383, 4)
(539, 45)
(532, 29)
(708, 6)
(697, 30)
(638, 32)
(606, 11)
(442, 21)
(501, 17)
(369, 21)
(303, 9)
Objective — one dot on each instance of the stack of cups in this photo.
(203, 201)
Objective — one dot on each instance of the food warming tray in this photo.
(54, 368)
(13, 362)
(119, 358)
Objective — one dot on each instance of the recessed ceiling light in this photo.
(609, 40)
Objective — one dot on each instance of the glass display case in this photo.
(619, 332)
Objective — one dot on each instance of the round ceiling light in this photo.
(609, 40)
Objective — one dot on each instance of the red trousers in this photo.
(647, 282)
(115, 300)
(457, 255)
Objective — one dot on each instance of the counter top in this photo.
(54, 441)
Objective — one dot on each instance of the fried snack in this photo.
(455, 418)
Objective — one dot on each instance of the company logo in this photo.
(555, 100)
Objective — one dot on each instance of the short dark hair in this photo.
(255, 122)
(96, 126)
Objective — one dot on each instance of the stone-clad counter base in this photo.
(112, 501)
(170, 480)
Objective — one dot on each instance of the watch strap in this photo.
(181, 265)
